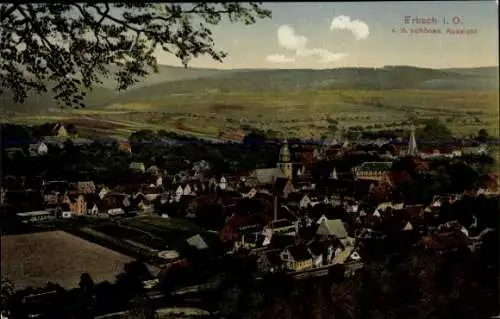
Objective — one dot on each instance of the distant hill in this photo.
(168, 73)
(41, 103)
(177, 80)
(390, 77)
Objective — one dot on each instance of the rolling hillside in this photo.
(177, 81)
(339, 79)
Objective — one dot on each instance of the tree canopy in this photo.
(435, 131)
(69, 47)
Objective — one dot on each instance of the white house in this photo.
(126, 202)
(93, 211)
(223, 183)
(305, 202)
(115, 212)
(334, 174)
(179, 192)
(103, 192)
(159, 181)
(38, 149)
(187, 190)
(67, 214)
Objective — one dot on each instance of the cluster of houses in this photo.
(277, 215)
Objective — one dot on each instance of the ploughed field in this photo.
(145, 234)
(130, 234)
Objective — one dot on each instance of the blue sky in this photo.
(363, 36)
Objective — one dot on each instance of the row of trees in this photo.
(409, 284)
(415, 284)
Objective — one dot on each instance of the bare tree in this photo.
(67, 47)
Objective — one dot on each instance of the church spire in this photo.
(412, 144)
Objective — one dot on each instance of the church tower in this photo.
(285, 160)
(412, 144)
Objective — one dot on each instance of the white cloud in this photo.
(289, 40)
(279, 58)
(324, 55)
(359, 28)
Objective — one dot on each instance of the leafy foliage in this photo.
(434, 130)
(70, 45)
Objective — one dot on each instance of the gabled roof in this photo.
(267, 175)
(197, 242)
(86, 187)
(375, 166)
(204, 241)
(332, 227)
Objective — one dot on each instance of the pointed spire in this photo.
(334, 173)
(412, 144)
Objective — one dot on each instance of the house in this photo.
(250, 193)
(265, 176)
(223, 183)
(116, 212)
(59, 130)
(332, 227)
(187, 190)
(322, 252)
(67, 214)
(297, 258)
(305, 202)
(38, 149)
(112, 201)
(373, 170)
(87, 187)
(253, 240)
(103, 191)
(179, 191)
(270, 262)
(124, 146)
(349, 257)
(136, 166)
(153, 170)
(205, 242)
(77, 205)
(92, 210)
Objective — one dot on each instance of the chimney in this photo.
(275, 207)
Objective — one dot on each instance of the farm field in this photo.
(65, 257)
(299, 113)
(168, 229)
(131, 235)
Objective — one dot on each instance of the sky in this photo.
(363, 34)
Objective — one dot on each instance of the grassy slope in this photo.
(200, 101)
